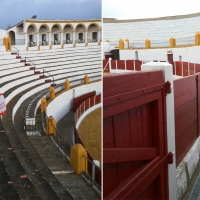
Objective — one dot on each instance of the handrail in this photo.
(30, 61)
(16, 48)
(48, 73)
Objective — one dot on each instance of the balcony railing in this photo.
(79, 41)
(43, 43)
(67, 41)
(31, 44)
(92, 40)
(55, 42)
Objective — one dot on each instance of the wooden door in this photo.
(134, 136)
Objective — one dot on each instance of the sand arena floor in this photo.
(90, 133)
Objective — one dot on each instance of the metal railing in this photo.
(79, 41)
(27, 59)
(16, 49)
(43, 43)
(44, 71)
(32, 44)
(92, 40)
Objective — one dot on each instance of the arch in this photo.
(70, 25)
(30, 26)
(80, 24)
(58, 25)
(44, 26)
(95, 24)
(12, 37)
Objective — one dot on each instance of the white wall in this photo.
(189, 54)
(62, 104)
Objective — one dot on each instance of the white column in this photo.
(37, 38)
(73, 36)
(98, 35)
(61, 38)
(168, 76)
(49, 38)
(26, 40)
(85, 36)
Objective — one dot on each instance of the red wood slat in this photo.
(113, 64)
(185, 116)
(98, 99)
(121, 83)
(198, 104)
(120, 64)
(192, 70)
(123, 140)
(197, 68)
(178, 68)
(92, 103)
(129, 104)
(110, 178)
(138, 64)
(87, 104)
(116, 155)
(185, 69)
(185, 141)
(130, 64)
(82, 108)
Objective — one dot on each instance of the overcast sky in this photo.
(136, 9)
(14, 11)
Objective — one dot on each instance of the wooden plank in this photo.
(130, 104)
(178, 69)
(114, 84)
(110, 173)
(185, 141)
(185, 69)
(138, 64)
(120, 64)
(122, 140)
(198, 104)
(116, 155)
(113, 64)
(185, 116)
(130, 64)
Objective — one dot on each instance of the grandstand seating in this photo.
(24, 88)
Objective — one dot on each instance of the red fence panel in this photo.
(138, 64)
(185, 69)
(130, 64)
(113, 64)
(178, 68)
(92, 103)
(98, 99)
(121, 64)
(185, 103)
(197, 68)
(87, 104)
(192, 69)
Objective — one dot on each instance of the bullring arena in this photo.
(51, 81)
(151, 108)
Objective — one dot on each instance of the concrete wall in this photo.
(62, 104)
(189, 54)
(3, 33)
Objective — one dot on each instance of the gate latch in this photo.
(168, 89)
(170, 158)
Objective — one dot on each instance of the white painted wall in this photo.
(3, 33)
(189, 54)
(62, 104)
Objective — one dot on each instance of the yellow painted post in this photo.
(86, 44)
(67, 84)
(99, 43)
(51, 126)
(43, 104)
(50, 47)
(86, 79)
(128, 42)
(78, 160)
(147, 44)
(74, 45)
(26, 48)
(52, 93)
(121, 44)
(38, 48)
(197, 42)
(107, 40)
(172, 42)
(9, 44)
(5, 41)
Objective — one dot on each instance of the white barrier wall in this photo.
(3, 33)
(62, 104)
(188, 54)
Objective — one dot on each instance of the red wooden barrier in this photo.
(130, 65)
(186, 118)
(134, 144)
(120, 64)
(113, 64)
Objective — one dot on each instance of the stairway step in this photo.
(42, 76)
(13, 53)
(47, 80)
(37, 72)
(27, 64)
(22, 61)
(18, 57)
(32, 68)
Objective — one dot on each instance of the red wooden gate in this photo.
(135, 158)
